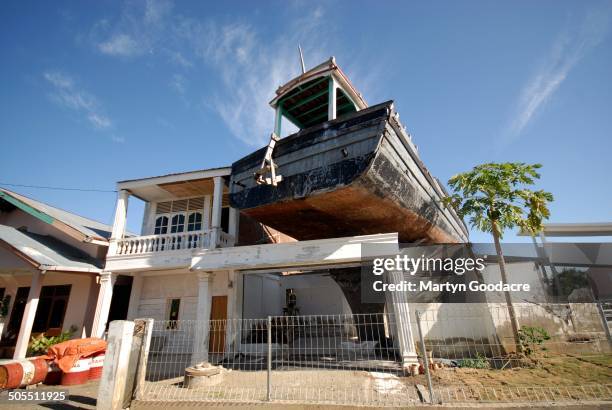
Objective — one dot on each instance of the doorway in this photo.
(121, 299)
(218, 318)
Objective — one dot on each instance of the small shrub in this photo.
(479, 362)
(39, 345)
(532, 339)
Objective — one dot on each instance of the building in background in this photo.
(50, 266)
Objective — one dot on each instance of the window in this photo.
(161, 225)
(51, 308)
(194, 223)
(178, 223)
(174, 306)
(17, 312)
(181, 215)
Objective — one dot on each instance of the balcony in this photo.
(181, 241)
(184, 214)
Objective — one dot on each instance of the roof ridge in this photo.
(53, 206)
(87, 227)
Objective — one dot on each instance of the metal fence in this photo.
(562, 353)
(470, 354)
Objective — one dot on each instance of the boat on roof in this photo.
(350, 170)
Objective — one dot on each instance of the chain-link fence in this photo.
(471, 354)
(346, 359)
(237, 348)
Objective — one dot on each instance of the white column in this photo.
(217, 203)
(105, 295)
(150, 220)
(144, 228)
(202, 325)
(206, 217)
(134, 304)
(331, 111)
(120, 220)
(234, 222)
(29, 312)
(234, 325)
(92, 299)
(397, 303)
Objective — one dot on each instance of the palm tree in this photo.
(496, 197)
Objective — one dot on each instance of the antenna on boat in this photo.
(301, 58)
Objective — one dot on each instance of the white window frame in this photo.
(204, 222)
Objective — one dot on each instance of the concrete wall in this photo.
(316, 295)
(264, 295)
(157, 290)
(453, 325)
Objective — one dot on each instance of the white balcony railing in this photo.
(171, 242)
(225, 240)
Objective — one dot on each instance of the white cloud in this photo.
(99, 121)
(156, 10)
(121, 45)
(138, 30)
(178, 83)
(251, 69)
(247, 68)
(179, 59)
(566, 53)
(67, 94)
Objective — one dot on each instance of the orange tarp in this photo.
(66, 354)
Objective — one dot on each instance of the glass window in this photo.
(161, 225)
(194, 223)
(178, 223)
(57, 313)
(173, 313)
(17, 312)
(42, 314)
(51, 308)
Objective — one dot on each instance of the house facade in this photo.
(50, 266)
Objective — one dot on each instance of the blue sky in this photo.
(97, 92)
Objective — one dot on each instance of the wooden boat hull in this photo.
(356, 175)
